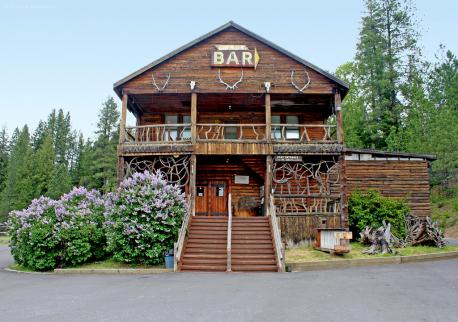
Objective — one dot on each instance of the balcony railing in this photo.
(231, 132)
(303, 133)
(161, 133)
(211, 132)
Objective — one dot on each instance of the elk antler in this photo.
(307, 83)
(160, 89)
(233, 86)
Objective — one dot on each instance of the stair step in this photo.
(193, 235)
(251, 237)
(206, 256)
(201, 261)
(253, 256)
(207, 241)
(252, 242)
(208, 231)
(250, 251)
(205, 246)
(238, 262)
(254, 268)
(245, 228)
(204, 268)
(195, 251)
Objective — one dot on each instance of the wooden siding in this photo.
(408, 180)
(194, 64)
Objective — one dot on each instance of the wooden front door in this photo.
(211, 198)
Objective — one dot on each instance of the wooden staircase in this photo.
(251, 248)
(206, 246)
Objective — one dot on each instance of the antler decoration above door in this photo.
(233, 86)
(160, 89)
(307, 81)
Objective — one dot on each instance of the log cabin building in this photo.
(253, 134)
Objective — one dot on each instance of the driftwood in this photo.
(423, 231)
(419, 231)
(381, 240)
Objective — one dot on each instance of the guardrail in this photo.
(160, 133)
(303, 133)
(276, 234)
(229, 234)
(178, 247)
(231, 132)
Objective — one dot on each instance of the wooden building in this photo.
(254, 136)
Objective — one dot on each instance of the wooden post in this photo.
(193, 118)
(122, 127)
(267, 183)
(268, 119)
(120, 169)
(192, 184)
(343, 192)
(339, 118)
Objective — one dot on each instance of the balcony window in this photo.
(177, 133)
(231, 132)
(290, 132)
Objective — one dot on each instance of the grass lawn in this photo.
(308, 254)
(4, 240)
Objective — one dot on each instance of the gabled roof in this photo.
(343, 86)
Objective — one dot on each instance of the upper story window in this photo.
(231, 132)
(177, 133)
(284, 131)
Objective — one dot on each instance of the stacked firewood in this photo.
(423, 231)
(419, 231)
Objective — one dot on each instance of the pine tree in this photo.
(104, 166)
(60, 182)
(386, 50)
(43, 161)
(19, 190)
(4, 158)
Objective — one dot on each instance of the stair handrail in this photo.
(229, 234)
(279, 252)
(178, 249)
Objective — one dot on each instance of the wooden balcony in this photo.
(217, 138)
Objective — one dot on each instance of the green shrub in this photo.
(59, 233)
(145, 220)
(370, 208)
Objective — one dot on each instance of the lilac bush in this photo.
(66, 232)
(145, 220)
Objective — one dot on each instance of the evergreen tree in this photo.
(4, 157)
(104, 165)
(39, 135)
(43, 161)
(60, 181)
(18, 190)
(386, 50)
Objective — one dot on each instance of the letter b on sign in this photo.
(218, 58)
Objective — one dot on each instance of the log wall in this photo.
(404, 179)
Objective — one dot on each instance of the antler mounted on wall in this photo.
(233, 86)
(160, 89)
(307, 81)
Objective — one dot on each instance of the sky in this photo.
(67, 54)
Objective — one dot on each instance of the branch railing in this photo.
(178, 247)
(159, 133)
(229, 233)
(231, 132)
(279, 251)
(211, 132)
(303, 133)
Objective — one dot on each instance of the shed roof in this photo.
(343, 86)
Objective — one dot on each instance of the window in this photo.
(172, 133)
(291, 132)
(220, 191)
(231, 132)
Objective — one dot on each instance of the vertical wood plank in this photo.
(339, 118)
(192, 184)
(122, 127)
(193, 118)
(267, 183)
(268, 119)
(120, 169)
